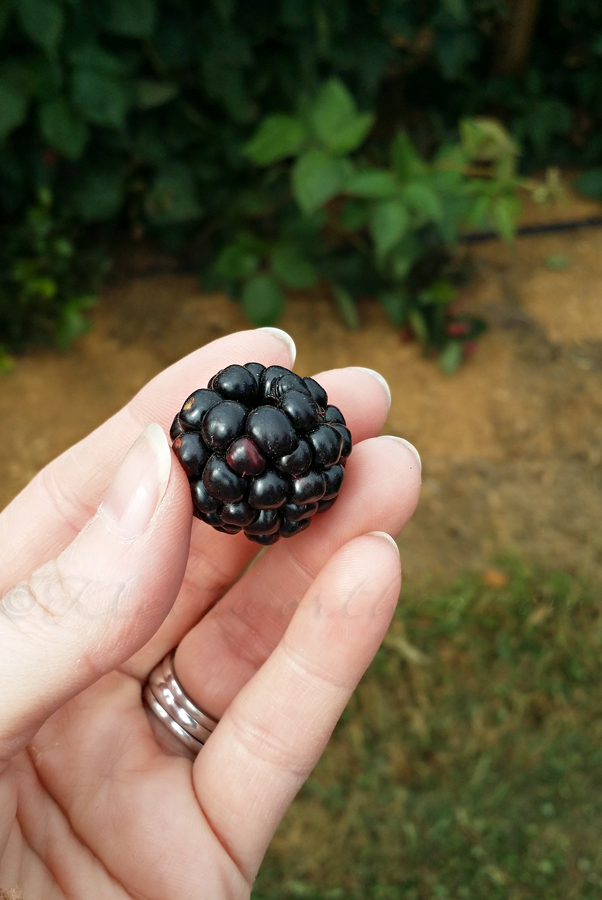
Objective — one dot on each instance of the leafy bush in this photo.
(136, 113)
(47, 280)
(383, 230)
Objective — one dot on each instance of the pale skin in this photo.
(95, 801)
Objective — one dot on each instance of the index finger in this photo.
(55, 506)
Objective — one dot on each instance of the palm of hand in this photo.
(93, 801)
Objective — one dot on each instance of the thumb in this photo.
(85, 612)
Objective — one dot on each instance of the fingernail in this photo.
(285, 338)
(139, 485)
(411, 447)
(383, 534)
(380, 380)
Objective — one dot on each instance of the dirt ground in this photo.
(511, 445)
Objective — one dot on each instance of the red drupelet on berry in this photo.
(263, 451)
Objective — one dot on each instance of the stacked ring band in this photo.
(165, 696)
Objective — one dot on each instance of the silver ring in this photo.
(169, 674)
(166, 698)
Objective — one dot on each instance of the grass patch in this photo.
(468, 763)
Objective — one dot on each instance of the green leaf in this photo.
(73, 323)
(455, 211)
(13, 109)
(99, 195)
(44, 287)
(346, 306)
(352, 135)
(131, 18)
(263, 300)
(237, 260)
(403, 257)
(423, 200)
(478, 214)
(332, 106)
(172, 197)
(442, 292)
(101, 97)
(42, 21)
(590, 183)
(335, 119)
(486, 140)
(63, 127)
(395, 305)
(91, 56)
(390, 221)
(504, 214)
(317, 177)
(451, 357)
(371, 184)
(149, 93)
(419, 326)
(276, 138)
(405, 159)
(291, 267)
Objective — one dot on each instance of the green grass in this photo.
(468, 764)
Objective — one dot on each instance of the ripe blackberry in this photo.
(263, 450)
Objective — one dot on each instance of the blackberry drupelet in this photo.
(263, 450)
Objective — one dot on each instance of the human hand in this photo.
(95, 801)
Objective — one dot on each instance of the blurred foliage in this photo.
(137, 114)
(47, 280)
(384, 230)
(468, 763)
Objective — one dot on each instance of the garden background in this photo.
(356, 172)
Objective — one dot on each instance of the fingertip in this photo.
(362, 396)
(411, 456)
(379, 379)
(285, 339)
(384, 536)
(410, 447)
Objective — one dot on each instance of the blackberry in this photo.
(326, 444)
(301, 409)
(272, 431)
(223, 424)
(192, 453)
(297, 462)
(221, 482)
(268, 490)
(243, 456)
(308, 488)
(235, 383)
(263, 451)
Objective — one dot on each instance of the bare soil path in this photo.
(511, 445)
